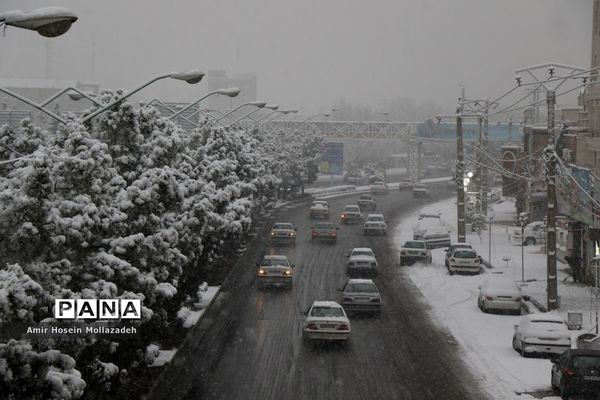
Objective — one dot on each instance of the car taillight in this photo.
(311, 326)
(489, 298)
(348, 299)
(333, 234)
(452, 260)
(568, 372)
(403, 252)
(315, 234)
(375, 300)
(477, 260)
(518, 299)
(343, 327)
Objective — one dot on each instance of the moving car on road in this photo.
(319, 209)
(419, 190)
(499, 293)
(413, 251)
(576, 372)
(543, 333)
(533, 234)
(324, 231)
(379, 188)
(351, 214)
(326, 320)
(465, 261)
(366, 202)
(275, 269)
(283, 232)
(375, 223)
(405, 184)
(361, 295)
(361, 260)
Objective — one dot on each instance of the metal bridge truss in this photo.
(345, 129)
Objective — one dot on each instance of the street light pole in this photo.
(523, 222)
(48, 21)
(231, 92)
(190, 77)
(259, 104)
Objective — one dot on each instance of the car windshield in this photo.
(367, 253)
(464, 254)
(361, 287)
(351, 209)
(324, 226)
(415, 245)
(283, 226)
(586, 362)
(326, 312)
(375, 218)
(270, 262)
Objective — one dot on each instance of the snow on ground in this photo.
(486, 338)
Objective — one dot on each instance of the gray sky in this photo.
(310, 53)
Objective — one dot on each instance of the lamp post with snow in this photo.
(47, 21)
(259, 104)
(231, 92)
(269, 106)
(190, 77)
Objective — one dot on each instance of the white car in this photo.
(451, 249)
(351, 214)
(534, 233)
(420, 190)
(379, 188)
(362, 260)
(283, 232)
(499, 293)
(275, 269)
(319, 209)
(434, 231)
(375, 223)
(326, 320)
(464, 261)
(413, 251)
(541, 333)
(361, 295)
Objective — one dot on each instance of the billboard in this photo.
(332, 158)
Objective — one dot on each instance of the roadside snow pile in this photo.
(191, 316)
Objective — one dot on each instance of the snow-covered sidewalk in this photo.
(486, 338)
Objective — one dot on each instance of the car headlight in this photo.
(292, 234)
(262, 272)
(402, 252)
(272, 233)
(288, 272)
(373, 264)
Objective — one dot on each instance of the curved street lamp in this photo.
(47, 21)
(259, 104)
(269, 106)
(231, 92)
(190, 77)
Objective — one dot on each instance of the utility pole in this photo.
(478, 169)
(460, 168)
(552, 288)
(550, 160)
(484, 170)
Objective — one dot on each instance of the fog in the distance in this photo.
(307, 54)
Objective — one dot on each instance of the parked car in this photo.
(420, 190)
(534, 233)
(499, 293)
(434, 231)
(361, 260)
(366, 202)
(275, 269)
(405, 184)
(319, 209)
(429, 213)
(283, 232)
(576, 372)
(325, 231)
(464, 261)
(379, 188)
(413, 251)
(542, 333)
(451, 249)
(351, 214)
(361, 295)
(375, 223)
(326, 320)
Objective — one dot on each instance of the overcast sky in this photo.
(309, 53)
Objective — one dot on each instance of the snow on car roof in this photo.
(361, 281)
(362, 249)
(325, 303)
(540, 317)
(375, 215)
(456, 244)
(275, 257)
